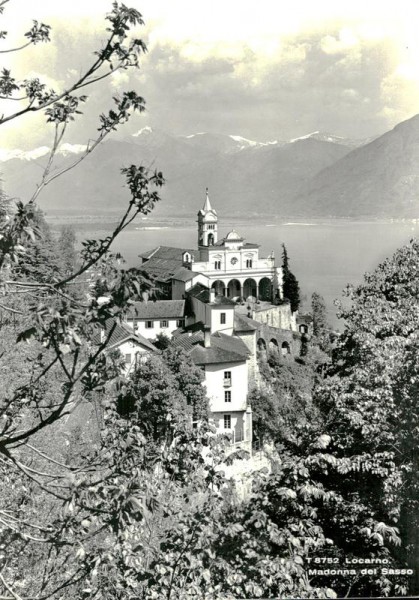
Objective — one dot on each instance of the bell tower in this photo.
(207, 224)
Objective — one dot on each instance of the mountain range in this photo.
(316, 175)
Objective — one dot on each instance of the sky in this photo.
(266, 70)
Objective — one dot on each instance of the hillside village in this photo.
(224, 305)
(172, 427)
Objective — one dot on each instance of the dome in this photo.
(233, 236)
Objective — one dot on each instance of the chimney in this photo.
(212, 295)
(207, 337)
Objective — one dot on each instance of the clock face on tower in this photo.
(234, 261)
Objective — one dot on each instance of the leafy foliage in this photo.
(290, 284)
(50, 312)
(286, 406)
(165, 393)
(368, 400)
(111, 492)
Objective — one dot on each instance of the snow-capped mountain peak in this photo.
(331, 138)
(189, 137)
(144, 131)
(246, 143)
(305, 137)
(64, 150)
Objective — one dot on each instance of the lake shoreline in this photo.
(106, 222)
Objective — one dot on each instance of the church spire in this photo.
(207, 224)
(207, 205)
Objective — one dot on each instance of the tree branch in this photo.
(15, 595)
(16, 49)
(60, 464)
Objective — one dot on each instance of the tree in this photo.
(155, 401)
(49, 366)
(321, 328)
(41, 260)
(190, 380)
(165, 393)
(291, 287)
(64, 324)
(318, 308)
(368, 401)
(67, 243)
(286, 407)
(264, 416)
(161, 341)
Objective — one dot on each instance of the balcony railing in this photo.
(227, 383)
(236, 435)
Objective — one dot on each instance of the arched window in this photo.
(261, 344)
(285, 349)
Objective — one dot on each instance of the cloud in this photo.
(297, 88)
(119, 79)
(260, 70)
(341, 43)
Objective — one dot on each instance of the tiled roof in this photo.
(160, 309)
(223, 348)
(120, 334)
(202, 293)
(183, 274)
(162, 269)
(167, 252)
(242, 323)
(246, 245)
(187, 342)
(149, 253)
(192, 328)
(162, 262)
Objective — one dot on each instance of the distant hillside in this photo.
(316, 175)
(243, 175)
(380, 179)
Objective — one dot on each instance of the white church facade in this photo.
(231, 266)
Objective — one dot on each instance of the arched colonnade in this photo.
(247, 289)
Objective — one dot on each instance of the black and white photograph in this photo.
(209, 299)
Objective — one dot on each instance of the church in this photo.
(230, 266)
(223, 304)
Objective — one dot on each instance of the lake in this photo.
(324, 256)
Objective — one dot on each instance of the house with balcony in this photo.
(224, 361)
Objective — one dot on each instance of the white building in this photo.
(231, 266)
(152, 318)
(234, 305)
(133, 348)
(224, 360)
